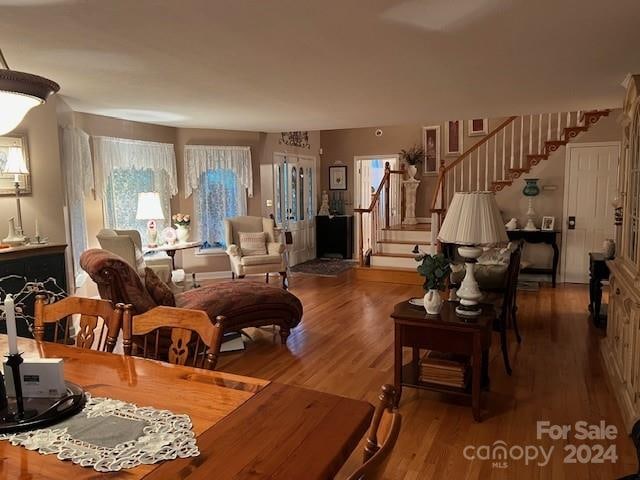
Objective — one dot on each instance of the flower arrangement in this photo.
(434, 268)
(181, 220)
(413, 156)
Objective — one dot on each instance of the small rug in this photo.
(324, 267)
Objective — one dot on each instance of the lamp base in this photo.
(152, 234)
(469, 293)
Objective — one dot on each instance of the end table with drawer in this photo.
(448, 333)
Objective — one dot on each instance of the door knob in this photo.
(572, 223)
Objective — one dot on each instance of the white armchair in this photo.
(241, 265)
(128, 245)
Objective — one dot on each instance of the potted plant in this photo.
(412, 157)
(435, 269)
(182, 223)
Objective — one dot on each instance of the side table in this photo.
(443, 333)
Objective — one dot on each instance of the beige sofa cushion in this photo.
(253, 243)
(252, 260)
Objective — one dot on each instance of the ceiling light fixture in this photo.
(19, 93)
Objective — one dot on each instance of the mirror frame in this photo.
(7, 187)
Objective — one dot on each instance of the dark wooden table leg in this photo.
(172, 254)
(597, 302)
(486, 382)
(476, 377)
(397, 363)
(556, 256)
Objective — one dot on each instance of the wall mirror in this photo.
(7, 181)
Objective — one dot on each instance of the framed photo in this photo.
(338, 177)
(453, 140)
(431, 146)
(478, 127)
(7, 185)
(548, 223)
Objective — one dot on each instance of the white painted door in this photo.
(590, 183)
(295, 178)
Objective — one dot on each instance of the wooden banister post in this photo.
(360, 240)
(387, 187)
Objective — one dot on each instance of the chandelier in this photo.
(19, 93)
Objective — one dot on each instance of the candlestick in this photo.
(37, 229)
(10, 318)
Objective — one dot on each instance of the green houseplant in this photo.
(435, 269)
(412, 157)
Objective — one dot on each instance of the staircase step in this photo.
(393, 260)
(418, 227)
(402, 246)
(498, 185)
(411, 236)
(403, 276)
(553, 145)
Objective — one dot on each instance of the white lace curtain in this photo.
(199, 159)
(125, 154)
(78, 176)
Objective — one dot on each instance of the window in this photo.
(219, 196)
(121, 199)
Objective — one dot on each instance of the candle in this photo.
(37, 229)
(10, 318)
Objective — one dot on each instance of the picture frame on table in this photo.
(453, 137)
(548, 224)
(338, 177)
(478, 127)
(431, 146)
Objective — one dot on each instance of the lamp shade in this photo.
(15, 162)
(473, 219)
(149, 206)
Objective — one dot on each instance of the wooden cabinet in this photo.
(621, 347)
(334, 236)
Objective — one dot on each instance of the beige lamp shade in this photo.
(473, 219)
(149, 206)
(15, 162)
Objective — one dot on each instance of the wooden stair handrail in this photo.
(444, 169)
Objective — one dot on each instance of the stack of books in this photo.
(445, 369)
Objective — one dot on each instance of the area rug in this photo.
(528, 285)
(324, 267)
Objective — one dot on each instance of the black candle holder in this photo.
(14, 360)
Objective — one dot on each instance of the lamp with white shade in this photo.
(150, 208)
(15, 165)
(473, 220)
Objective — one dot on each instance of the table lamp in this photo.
(473, 220)
(16, 166)
(531, 190)
(150, 208)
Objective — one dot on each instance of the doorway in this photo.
(369, 174)
(589, 185)
(295, 178)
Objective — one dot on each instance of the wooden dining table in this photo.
(245, 427)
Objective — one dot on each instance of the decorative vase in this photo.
(432, 302)
(411, 171)
(182, 232)
(531, 189)
(609, 248)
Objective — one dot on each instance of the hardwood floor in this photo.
(344, 346)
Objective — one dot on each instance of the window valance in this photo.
(121, 153)
(200, 158)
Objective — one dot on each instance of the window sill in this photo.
(210, 252)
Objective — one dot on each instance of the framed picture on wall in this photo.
(478, 127)
(431, 146)
(338, 177)
(548, 223)
(453, 140)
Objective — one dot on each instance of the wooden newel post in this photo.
(360, 240)
(387, 185)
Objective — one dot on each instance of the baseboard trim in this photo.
(423, 219)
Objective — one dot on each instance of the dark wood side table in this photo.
(598, 271)
(540, 236)
(444, 333)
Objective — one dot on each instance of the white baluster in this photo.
(548, 126)
(539, 133)
(530, 134)
(495, 158)
(512, 152)
(455, 179)
(559, 122)
(486, 166)
(521, 139)
(568, 119)
(478, 171)
(504, 152)
(470, 173)
(579, 118)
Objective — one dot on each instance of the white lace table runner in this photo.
(110, 435)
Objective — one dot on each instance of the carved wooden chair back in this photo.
(143, 332)
(93, 313)
(382, 437)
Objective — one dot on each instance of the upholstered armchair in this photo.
(128, 245)
(243, 263)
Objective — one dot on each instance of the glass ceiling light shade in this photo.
(19, 93)
(15, 164)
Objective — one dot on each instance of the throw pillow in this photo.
(159, 291)
(253, 243)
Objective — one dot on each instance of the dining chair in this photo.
(93, 313)
(383, 434)
(141, 330)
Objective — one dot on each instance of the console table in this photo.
(443, 333)
(539, 236)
